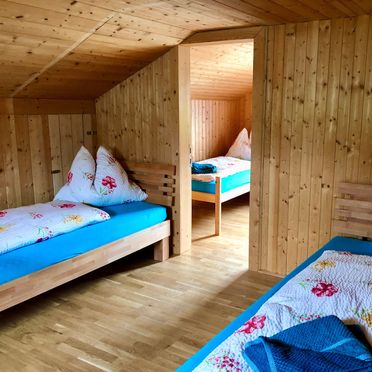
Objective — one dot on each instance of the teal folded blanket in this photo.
(201, 168)
(324, 344)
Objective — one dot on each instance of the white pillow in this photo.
(80, 178)
(106, 185)
(112, 182)
(241, 148)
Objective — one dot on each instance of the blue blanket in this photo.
(200, 168)
(324, 344)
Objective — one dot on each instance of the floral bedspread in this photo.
(35, 223)
(338, 283)
(226, 166)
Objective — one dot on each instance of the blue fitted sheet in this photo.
(126, 219)
(227, 183)
(337, 244)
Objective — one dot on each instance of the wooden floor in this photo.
(137, 315)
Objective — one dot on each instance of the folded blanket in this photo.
(203, 168)
(324, 344)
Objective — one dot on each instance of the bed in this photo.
(231, 180)
(353, 218)
(25, 273)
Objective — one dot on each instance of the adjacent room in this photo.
(221, 121)
(185, 185)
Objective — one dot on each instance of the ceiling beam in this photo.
(224, 36)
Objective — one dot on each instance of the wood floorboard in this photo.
(135, 314)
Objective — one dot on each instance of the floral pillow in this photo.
(112, 182)
(108, 184)
(241, 148)
(80, 178)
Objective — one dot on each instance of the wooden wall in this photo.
(314, 131)
(215, 125)
(143, 119)
(38, 141)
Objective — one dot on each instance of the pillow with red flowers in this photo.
(106, 184)
(80, 178)
(112, 183)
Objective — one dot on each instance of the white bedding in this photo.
(226, 166)
(338, 283)
(35, 223)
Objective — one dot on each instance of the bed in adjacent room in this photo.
(333, 282)
(219, 179)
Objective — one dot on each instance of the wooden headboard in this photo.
(353, 210)
(158, 180)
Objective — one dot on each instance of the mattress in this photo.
(227, 183)
(126, 219)
(336, 244)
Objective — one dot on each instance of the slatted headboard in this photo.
(353, 210)
(158, 180)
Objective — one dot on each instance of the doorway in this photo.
(221, 79)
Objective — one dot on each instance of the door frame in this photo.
(224, 36)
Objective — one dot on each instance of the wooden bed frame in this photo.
(218, 198)
(353, 211)
(158, 181)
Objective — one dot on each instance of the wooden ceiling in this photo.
(80, 49)
(221, 71)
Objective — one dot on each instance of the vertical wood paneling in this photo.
(307, 139)
(36, 150)
(216, 123)
(316, 133)
(146, 118)
(365, 159)
(258, 108)
(285, 142)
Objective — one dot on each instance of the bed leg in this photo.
(217, 208)
(217, 219)
(161, 250)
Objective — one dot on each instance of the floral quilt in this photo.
(226, 166)
(338, 283)
(35, 223)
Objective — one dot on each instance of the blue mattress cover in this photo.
(126, 219)
(228, 183)
(337, 244)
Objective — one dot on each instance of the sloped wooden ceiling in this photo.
(221, 71)
(80, 49)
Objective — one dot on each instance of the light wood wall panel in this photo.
(314, 131)
(146, 118)
(37, 148)
(215, 125)
(222, 71)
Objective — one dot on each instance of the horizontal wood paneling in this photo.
(215, 125)
(316, 133)
(142, 119)
(36, 150)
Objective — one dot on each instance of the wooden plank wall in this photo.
(38, 141)
(143, 119)
(215, 125)
(315, 131)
